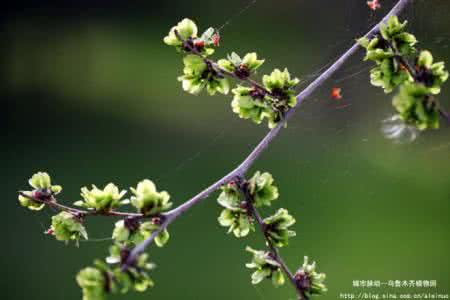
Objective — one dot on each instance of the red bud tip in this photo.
(50, 232)
(216, 39)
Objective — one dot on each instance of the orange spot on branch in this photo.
(336, 93)
(374, 4)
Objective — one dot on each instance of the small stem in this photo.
(82, 213)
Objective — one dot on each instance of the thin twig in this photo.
(262, 145)
(80, 212)
(253, 212)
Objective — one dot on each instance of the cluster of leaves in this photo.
(102, 278)
(42, 189)
(146, 199)
(266, 267)
(269, 100)
(391, 50)
(309, 281)
(68, 227)
(106, 276)
(235, 213)
(240, 200)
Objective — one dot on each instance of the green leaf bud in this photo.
(239, 222)
(104, 199)
(120, 233)
(230, 197)
(241, 67)
(217, 85)
(262, 189)
(226, 65)
(30, 203)
(234, 216)
(148, 200)
(40, 180)
(392, 28)
(266, 267)
(92, 282)
(114, 254)
(394, 33)
(416, 107)
(309, 281)
(392, 41)
(432, 75)
(67, 227)
(363, 42)
(278, 80)
(425, 59)
(147, 228)
(186, 29)
(388, 75)
(251, 103)
(378, 55)
(405, 43)
(277, 278)
(252, 62)
(277, 227)
(282, 93)
(56, 189)
(162, 238)
(43, 190)
(131, 232)
(197, 75)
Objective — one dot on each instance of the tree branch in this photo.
(84, 213)
(253, 212)
(239, 171)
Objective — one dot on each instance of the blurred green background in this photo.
(90, 95)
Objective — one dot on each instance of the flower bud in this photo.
(92, 282)
(198, 74)
(40, 180)
(277, 227)
(430, 74)
(262, 189)
(251, 103)
(265, 267)
(234, 216)
(30, 203)
(104, 199)
(309, 281)
(186, 29)
(415, 108)
(67, 227)
(148, 200)
(43, 190)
